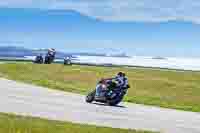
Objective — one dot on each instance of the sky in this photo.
(137, 27)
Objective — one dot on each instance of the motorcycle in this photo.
(49, 59)
(111, 96)
(67, 61)
(38, 59)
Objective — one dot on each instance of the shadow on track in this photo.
(102, 104)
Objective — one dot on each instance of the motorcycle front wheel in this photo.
(90, 97)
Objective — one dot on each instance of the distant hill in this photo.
(159, 58)
(14, 51)
(118, 55)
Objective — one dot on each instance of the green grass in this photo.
(170, 89)
(19, 124)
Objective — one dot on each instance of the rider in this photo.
(126, 84)
(39, 59)
(119, 80)
(51, 52)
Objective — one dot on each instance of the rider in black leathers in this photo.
(111, 84)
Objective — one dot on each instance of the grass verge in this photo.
(19, 124)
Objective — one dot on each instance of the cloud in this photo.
(120, 10)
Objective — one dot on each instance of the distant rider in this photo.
(51, 52)
(39, 59)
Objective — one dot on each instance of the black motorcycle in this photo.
(38, 59)
(111, 96)
(49, 59)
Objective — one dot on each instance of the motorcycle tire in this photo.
(90, 97)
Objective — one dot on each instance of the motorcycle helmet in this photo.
(120, 74)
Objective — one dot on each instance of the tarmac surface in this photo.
(24, 99)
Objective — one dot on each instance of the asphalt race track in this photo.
(23, 99)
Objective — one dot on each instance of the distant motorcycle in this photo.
(49, 59)
(110, 97)
(50, 56)
(39, 59)
(67, 61)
